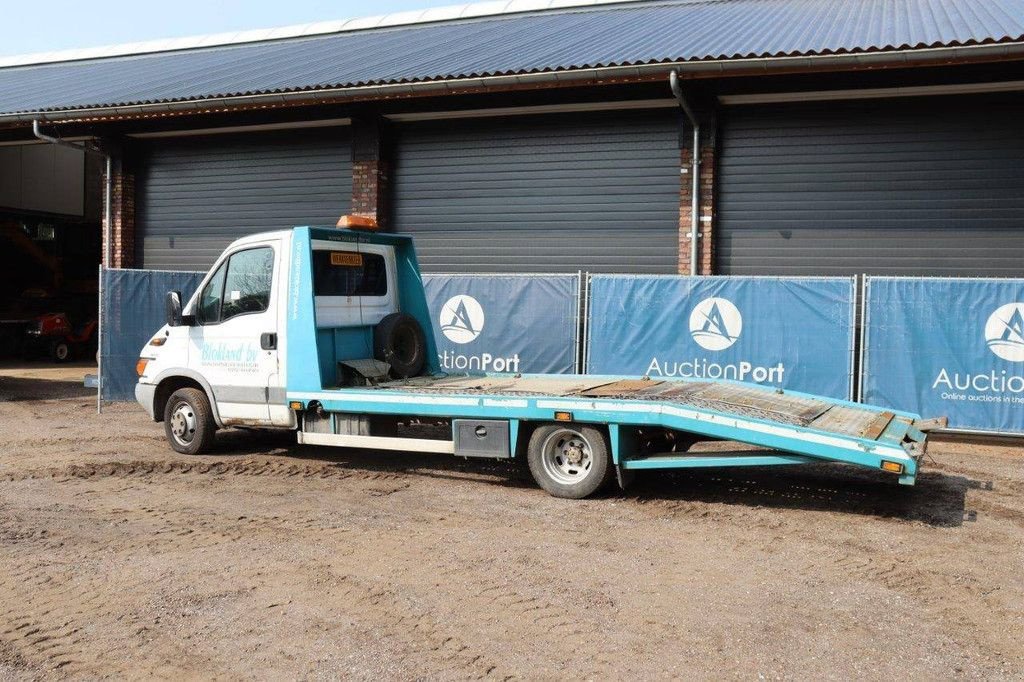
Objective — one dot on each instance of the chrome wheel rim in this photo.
(183, 423)
(567, 457)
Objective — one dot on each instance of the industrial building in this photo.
(863, 136)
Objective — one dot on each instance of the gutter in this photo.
(677, 90)
(693, 69)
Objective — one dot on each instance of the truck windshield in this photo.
(347, 273)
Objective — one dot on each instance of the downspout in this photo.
(108, 184)
(677, 90)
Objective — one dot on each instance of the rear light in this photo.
(892, 467)
(140, 366)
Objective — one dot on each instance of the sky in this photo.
(27, 27)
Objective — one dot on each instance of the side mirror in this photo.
(172, 308)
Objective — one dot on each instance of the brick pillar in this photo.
(705, 242)
(369, 189)
(370, 170)
(122, 253)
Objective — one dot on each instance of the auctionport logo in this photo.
(715, 323)
(462, 319)
(1004, 336)
(1004, 332)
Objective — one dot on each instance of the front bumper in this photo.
(145, 394)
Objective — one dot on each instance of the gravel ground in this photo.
(120, 558)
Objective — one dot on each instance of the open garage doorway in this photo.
(51, 205)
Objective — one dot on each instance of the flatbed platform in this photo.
(740, 399)
(795, 427)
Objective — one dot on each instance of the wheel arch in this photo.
(170, 380)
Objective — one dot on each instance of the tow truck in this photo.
(326, 331)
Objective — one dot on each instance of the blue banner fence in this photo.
(797, 333)
(946, 346)
(506, 323)
(936, 346)
(131, 311)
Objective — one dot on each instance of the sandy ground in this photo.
(266, 560)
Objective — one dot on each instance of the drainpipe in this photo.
(677, 90)
(108, 184)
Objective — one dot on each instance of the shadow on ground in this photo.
(18, 389)
(937, 500)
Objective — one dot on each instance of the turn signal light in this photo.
(158, 341)
(563, 416)
(892, 467)
(140, 366)
(357, 222)
(295, 405)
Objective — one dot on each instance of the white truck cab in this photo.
(231, 344)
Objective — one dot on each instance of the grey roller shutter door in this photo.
(905, 186)
(595, 192)
(195, 195)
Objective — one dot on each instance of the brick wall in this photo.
(123, 214)
(370, 168)
(705, 242)
(369, 189)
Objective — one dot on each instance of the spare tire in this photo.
(399, 341)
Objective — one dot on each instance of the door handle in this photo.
(268, 341)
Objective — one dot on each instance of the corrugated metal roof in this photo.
(553, 40)
(424, 16)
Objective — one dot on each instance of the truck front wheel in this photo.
(569, 460)
(188, 421)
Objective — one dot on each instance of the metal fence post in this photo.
(99, 346)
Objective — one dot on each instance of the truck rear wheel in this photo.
(188, 421)
(570, 460)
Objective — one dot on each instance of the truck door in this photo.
(234, 341)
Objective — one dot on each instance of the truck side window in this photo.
(348, 273)
(209, 300)
(240, 285)
(247, 285)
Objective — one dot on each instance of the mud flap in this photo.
(624, 476)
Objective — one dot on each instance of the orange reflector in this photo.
(295, 405)
(563, 416)
(357, 222)
(892, 467)
(158, 341)
(140, 366)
